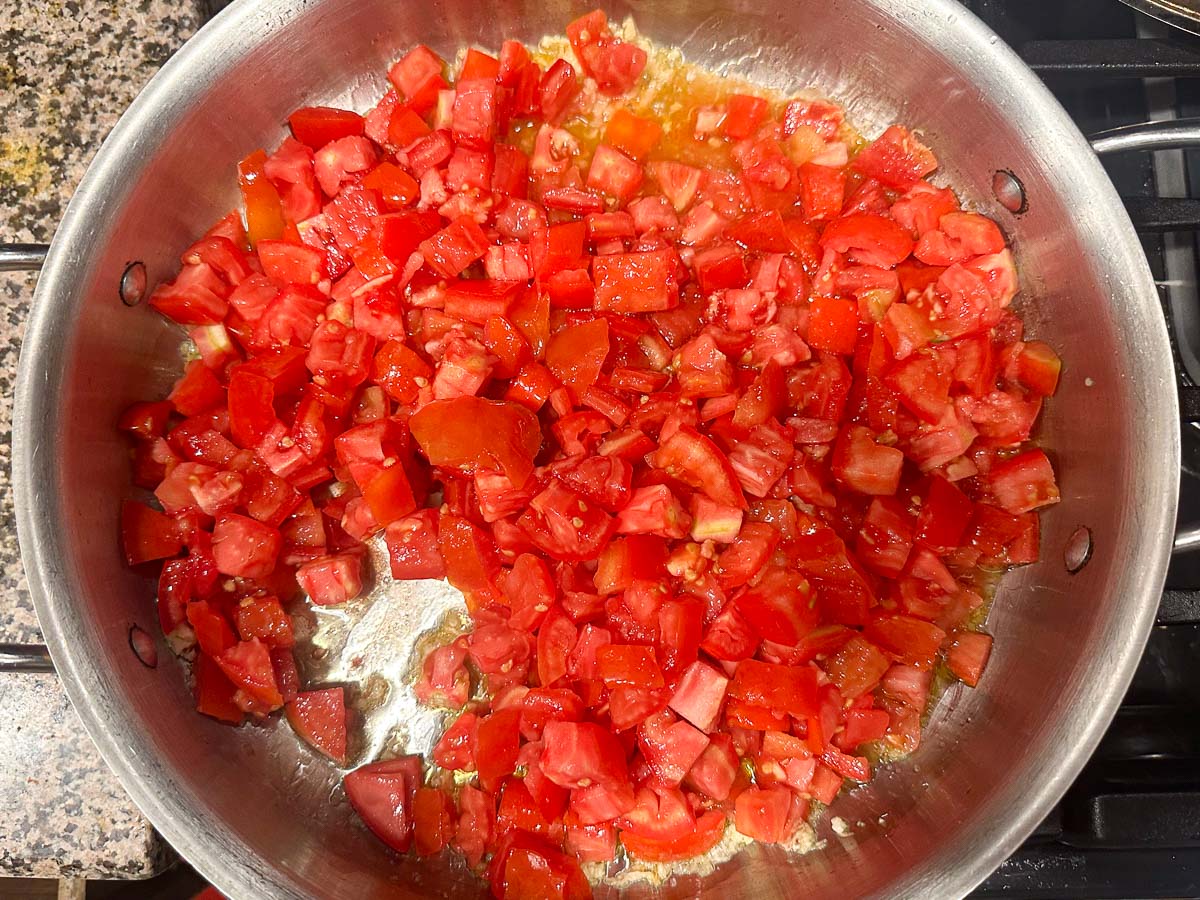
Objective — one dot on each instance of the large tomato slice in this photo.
(470, 432)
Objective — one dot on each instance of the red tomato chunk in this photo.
(720, 455)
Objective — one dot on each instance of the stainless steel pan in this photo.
(259, 815)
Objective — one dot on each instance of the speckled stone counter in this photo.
(68, 68)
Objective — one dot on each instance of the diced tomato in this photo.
(633, 134)
(614, 173)
(833, 325)
(454, 247)
(864, 465)
(416, 72)
(244, 547)
(856, 668)
(557, 89)
(147, 534)
(699, 695)
(1034, 366)
(264, 211)
(762, 813)
(1023, 483)
(413, 547)
(383, 794)
(635, 282)
(576, 354)
(968, 655)
(654, 510)
(469, 432)
(578, 754)
(316, 126)
(331, 580)
(319, 718)
(896, 158)
(248, 665)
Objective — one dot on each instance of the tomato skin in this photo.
(145, 421)
(787, 689)
(497, 740)
(214, 692)
(557, 89)
(213, 633)
(197, 391)
(908, 640)
(944, 516)
(264, 212)
(319, 717)
(147, 534)
(630, 665)
(433, 821)
(383, 793)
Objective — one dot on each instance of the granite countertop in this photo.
(68, 68)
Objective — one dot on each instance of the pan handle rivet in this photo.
(1009, 191)
(133, 283)
(1078, 551)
